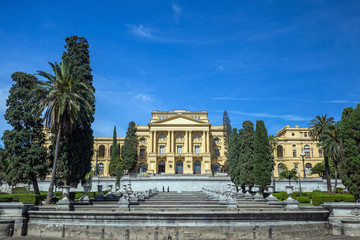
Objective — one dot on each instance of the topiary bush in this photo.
(6, 197)
(303, 199)
(326, 197)
(281, 195)
(29, 198)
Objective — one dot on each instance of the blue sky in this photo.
(280, 61)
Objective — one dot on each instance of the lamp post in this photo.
(300, 185)
(303, 159)
(96, 162)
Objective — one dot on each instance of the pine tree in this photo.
(129, 152)
(246, 175)
(233, 153)
(115, 155)
(350, 133)
(238, 165)
(263, 162)
(25, 153)
(76, 147)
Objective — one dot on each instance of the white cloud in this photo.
(289, 117)
(141, 31)
(177, 11)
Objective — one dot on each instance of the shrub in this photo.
(79, 195)
(55, 199)
(281, 195)
(303, 199)
(325, 197)
(339, 190)
(295, 195)
(6, 197)
(308, 194)
(348, 198)
(16, 190)
(29, 198)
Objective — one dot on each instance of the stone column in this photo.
(154, 142)
(169, 138)
(172, 142)
(150, 143)
(203, 142)
(191, 142)
(186, 142)
(208, 142)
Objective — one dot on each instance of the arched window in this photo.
(161, 167)
(307, 151)
(179, 137)
(100, 169)
(101, 151)
(162, 137)
(196, 137)
(216, 168)
(280, 151)
(179, 167)
(280, 168)
(197, 167)
(308, 168)
(142, 140)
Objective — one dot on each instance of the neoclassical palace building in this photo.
(296, 149)
(174, 142)
(184, 142)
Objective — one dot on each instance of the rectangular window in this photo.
(294, 153)
(197, 149)
(301, 134)
(162, 149)
(142, 152)
(320, 153)
(217, 153)
(305, 134)
(179, 149)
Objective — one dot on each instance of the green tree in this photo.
(115, 155)
(226, 123)
(233, 153)
(129, 152)
(263, 162)
(64, 98)
(319, 169)
(318, 126)
(273, 142)
(246, 155)
(288, 174)
(76, 146)
(333, 146)
(4, 163)
(350, 133)
(26, 155)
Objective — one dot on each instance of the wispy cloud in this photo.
(289, 117)
(177, 11)
(148, 33)
(341, 101)
(144, 101)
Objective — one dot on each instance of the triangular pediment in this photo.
(180, 120)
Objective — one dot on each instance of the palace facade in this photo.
(185, 142)
(174, 142)
(296, 149)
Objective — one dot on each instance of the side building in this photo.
(296, 149)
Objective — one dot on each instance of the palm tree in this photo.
(273, 141)
(288, 174)
(332, 145)
(318, 125)
(66, 102)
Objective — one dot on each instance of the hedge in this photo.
(303, 199)
(28, 197)
(281, 195)
(319, 199)
(16, 190)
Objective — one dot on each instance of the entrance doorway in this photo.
(197, 167)
(179, 167)
(161, 167)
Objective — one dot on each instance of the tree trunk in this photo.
(327, 172)
(336, 177)
(36, 187)
(53, 172)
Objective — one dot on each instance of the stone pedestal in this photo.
(290, 202)
(86, 199)
(124, 202)
(247, 194)
(65, 204)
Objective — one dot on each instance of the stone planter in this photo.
(257, 197)
(247, 194)
(271, 199)
(85, 198)
(289, 190)
(65, 204)
(99, 187)
(290, 202)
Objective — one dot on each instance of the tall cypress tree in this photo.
(25, 153)
(76, 147)
(238, 165)
(233, 153)
(226, 122)
(115, 155)
(350, 133)
(129, 152)
(246, 175)
(262, 156)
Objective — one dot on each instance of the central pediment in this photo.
(179, 120)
